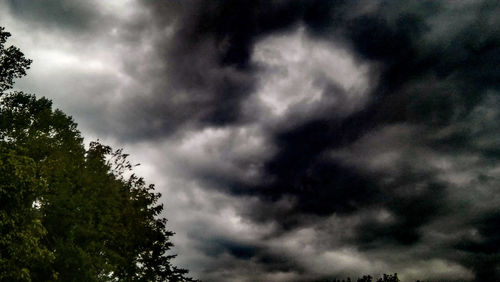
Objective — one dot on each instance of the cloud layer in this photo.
(293, 140)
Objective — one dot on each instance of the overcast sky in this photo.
(292, 140)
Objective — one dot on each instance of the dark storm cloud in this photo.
(208, 73)
(433, 72)
(55, 13)
(323, 138)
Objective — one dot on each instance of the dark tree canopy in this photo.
(68, 213)
(13, 64)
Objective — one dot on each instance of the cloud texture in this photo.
(293, 140)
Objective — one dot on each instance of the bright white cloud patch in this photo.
(300, 70)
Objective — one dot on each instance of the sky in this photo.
(291, 140)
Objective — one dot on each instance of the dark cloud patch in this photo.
(209, 55)
(72, 15)
(300, 169)
(375, 38)
(430, 74)
(241, 252)
(236, 26)
(268, 259)
(410, 206)
(207, 59)
(483, 249)
(218, 247)
(487, 226)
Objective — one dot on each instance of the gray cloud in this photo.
(55, 13)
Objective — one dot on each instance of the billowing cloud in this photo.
(306, 76)
(293, 140)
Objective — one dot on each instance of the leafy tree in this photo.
(13, 64)
(68, 213)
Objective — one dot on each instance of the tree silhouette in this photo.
(367, 278)
(13, 64)
(68, 213)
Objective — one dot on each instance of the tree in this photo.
(13, 64)
(68, 213)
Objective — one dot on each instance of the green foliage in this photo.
(20, 220)
(68, 213)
